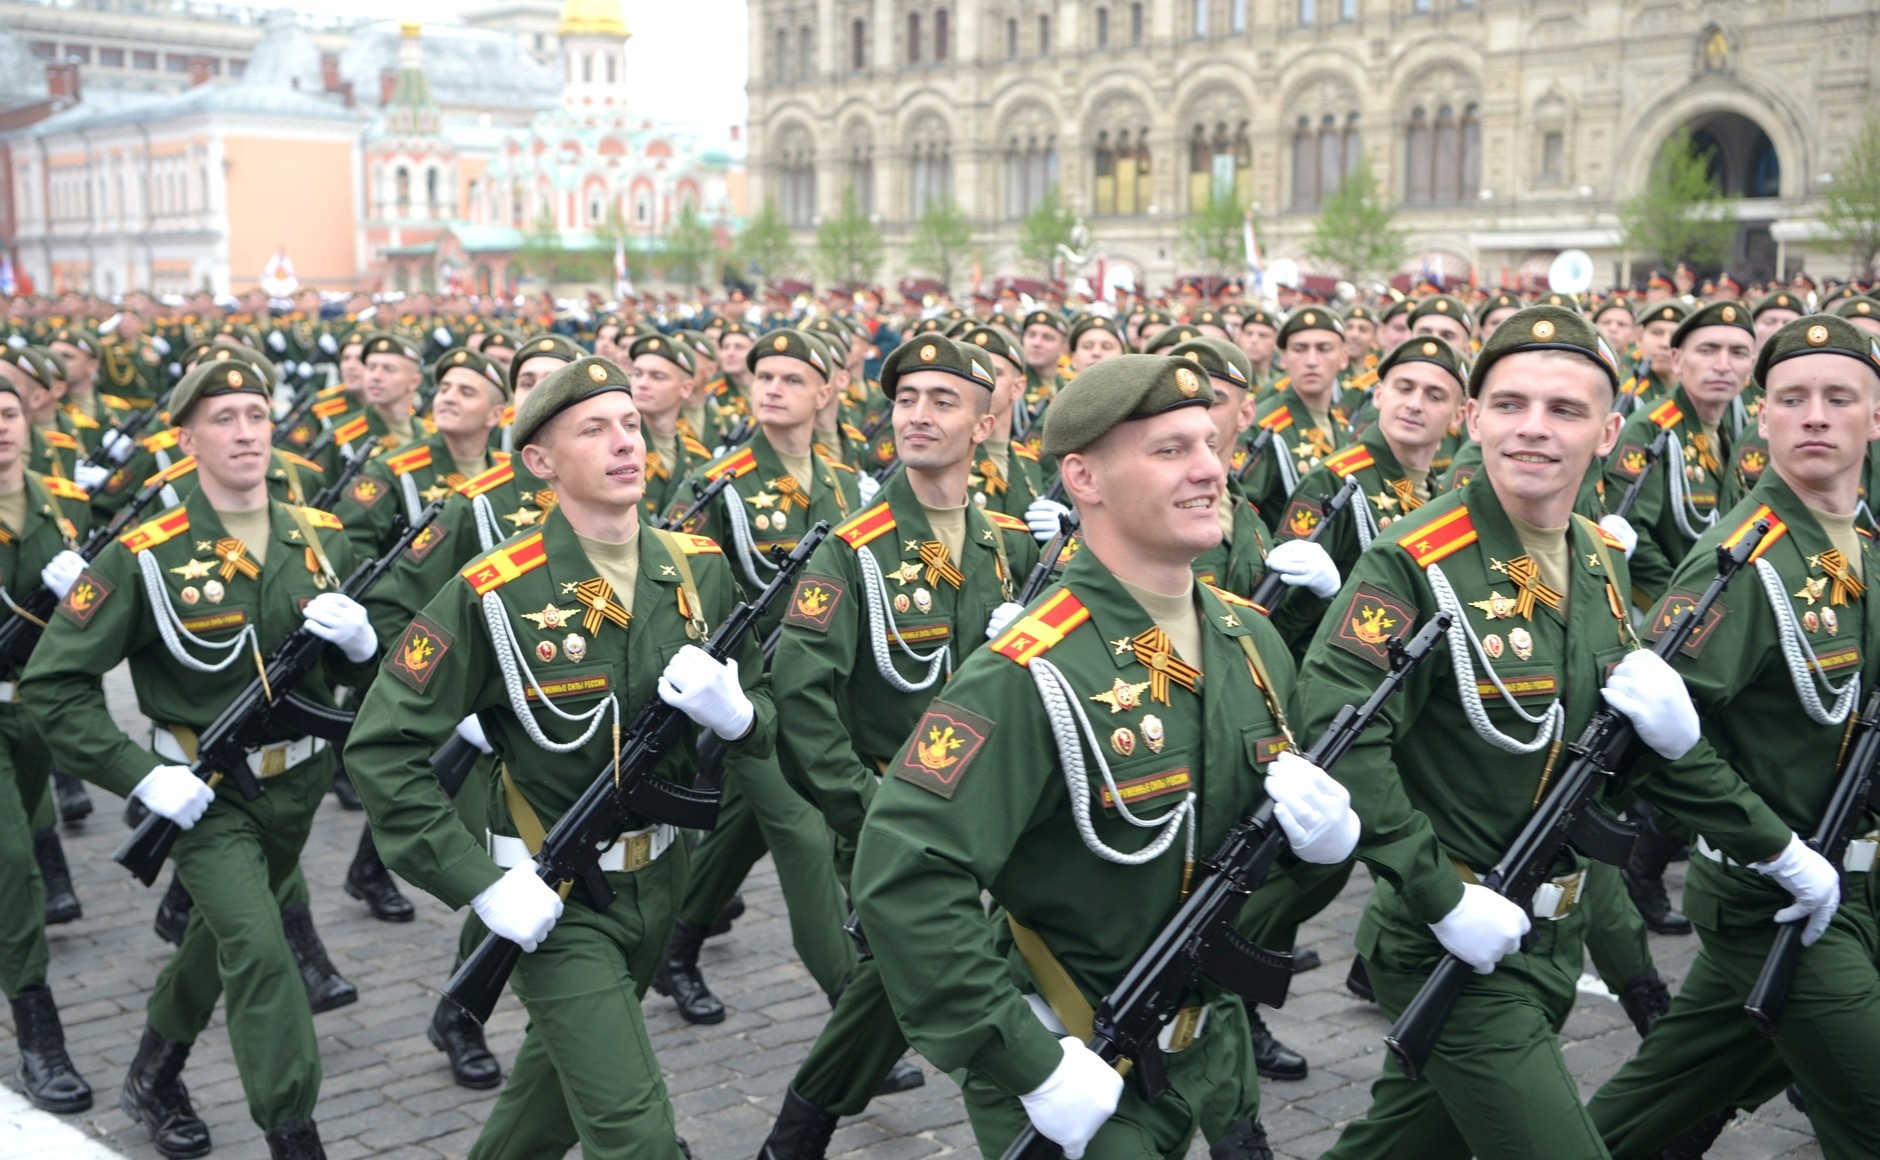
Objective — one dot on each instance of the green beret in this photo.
(1309, 318)
(1261, 316)
(54, 362)
(1780, 300)
(543, 346)
(1090, 322)
(243, 333)
(24, 358)
(996, 341)
(1170, 336)
(1441, 306)
(835, 348)
(385, 342)
(565, 386)
(930, 326)
(1401, 306)
(1211, 318)
(77, 336)
(788, 343)
(1715, 314)
(1613, 303)
(1133, 386)
(230, 376)
(1043, 318)
(959, 326)
(1220, 358)
(222, 348)
(482, 364)
(1564, 301)
(673, 351)
(733, 326)
(1426, 348)
(1670, 310)
(935, 352)
(1501, 301)
(1857, 306)
(1818, 334)
(494, 337)
(700, 342)
(1360, 313)
(1545, 328)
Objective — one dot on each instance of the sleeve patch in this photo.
(1629, 463)
(814, 602)
(366, 492)
(88, 595)
(1302, 517)
(1672, 606)
(419, 652)
(943, 745)
(426, 541)
(1368, 623)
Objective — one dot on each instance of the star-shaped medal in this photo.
(1123, 695)
(906, 574)
(1811, 588)
(197, 569)
(434, 493)
(761, 500)
(1385, 501)
(550, 618)
(524, 517)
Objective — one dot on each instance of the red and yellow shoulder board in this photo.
(1283, 383)
(505, 564)
(1007, 523)
(1607, 538)
(1037, 632)
(1278, 419)
(741, 464)
(332, 392)
(174, 471)
(1024, 451)
(334, 407)
(63, 488)
(1630, 386)
(409, 460)
(80, 419)
(1232, 597)
(60, 440)
(300, 461)
(1349, 461)
(167, 526)
(694, 447)
(832, 461)
(495, 477)
(1364, 381)
(1441, 538)
(693, 545)
(867, 526)
(323, 519)
(851, 431)
(350, 430)
(161, 441)
(1777, 529)
(116, 402)
(1667, 414)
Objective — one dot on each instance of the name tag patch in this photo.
(1541, 685)
(231, 618)
(578, 685)
(1143, 789)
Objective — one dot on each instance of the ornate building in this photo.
(1505, 132)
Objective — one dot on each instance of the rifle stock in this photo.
(1254, 451)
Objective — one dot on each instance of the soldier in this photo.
(1302, 412)
(193, 598)
(388, 420)
(1444, 317)
(662, 372)
(1614, 320)
(1259, 337)
(1007, 475)
(990, 794)
(1494, 311)
(1778, 678)
(1042, 335)
(1094, 338)
(1656, 371)
(585, 1072)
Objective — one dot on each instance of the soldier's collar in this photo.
(1113, 611)
(1229, 618)
(657, 563)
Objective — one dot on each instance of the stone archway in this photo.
(1743, 160)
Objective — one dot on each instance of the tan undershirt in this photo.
(13, 510)
(695, 418)
(1840, 531)
(1547, 547)
(402, 429)
(667, 449)
(1419, 481)
(799, 466)
(251, 528)
(1320, 419)
(949, 527)
(618, 564)
(1000, 452)
(470, 468)
(1175, 615)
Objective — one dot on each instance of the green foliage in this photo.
(1045, 229)
(689, 250)
(1213, 236)
(764, 249)
(540, 253)
(943, 241)
(1850, 210)
(1680, 215)
(1355, 234)
(848, 246)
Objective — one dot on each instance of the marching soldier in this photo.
(1302, 412)
(1007, 475)
(662, 370)
(1656, 370)
(1042, 335)
(1444, 317)
(388, 420)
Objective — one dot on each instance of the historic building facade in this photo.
(1505, 132)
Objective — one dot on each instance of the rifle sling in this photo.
(1054, 982)
(528, 823)
(313, 543)
(690, 606)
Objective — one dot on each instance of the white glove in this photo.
(1619, 529)
(161, 344)
(341, 620)
(110, 324)
(870, 487)
(1043, 515)
(1313, 809)
(90, 477)
(277, 342)
(471, 730)
(118, 446)
(1305, 565)
(329, 344)
(1002, 618)
(175, 793)
(1075, 1099)
(17, 341)
(442, 336)
(519, 907)
(62, 572)
(306, 370)
(1812, 880)
(708, 692)
(1482, 928)
(718, 452)
(1653, 696)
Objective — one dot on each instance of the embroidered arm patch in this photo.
(1368, 622)
(415, 661)
(814, 602)
(943, 745)
(86, 597)
(1672, 606)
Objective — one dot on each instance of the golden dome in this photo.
(592, 18)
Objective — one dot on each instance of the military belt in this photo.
(630, 852)
(9, 692)
(1859, 858)
(178, 743)
(1553, 900)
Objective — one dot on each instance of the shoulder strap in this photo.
(690, 606)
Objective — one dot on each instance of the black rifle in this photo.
(1566, 814)
(703, 496)
(1637, 487)
(1852, 800)
(326, 497)
(1201, 939)
(881, 474)
(284, 426)
(267, 706)
(1626, 402)
(321, 444)
(1272, 590)
(1254, 451)
(130, 427)
(629, 787)
(737, 436)
(1042, 571)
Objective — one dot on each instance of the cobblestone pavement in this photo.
(387, 1092)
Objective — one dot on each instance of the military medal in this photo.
(575, 646)
(762, 521)
(1811, 588)
(1521, 643)
(1152, 733)
(1123, 740)
(1122, 696)
(1491, 644)
(1496, 607)
(1830, 621)
(213, 591)
(906, 574)
(1810, 621)
(190, 595)
(901, 602)
(923, 600)
(197, 569)
(1155, 652)
(545, 651)
(550, 619)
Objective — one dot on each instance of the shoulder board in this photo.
(509, 415)
(1008, 523)
(350, 430)
(1777, 529)
(404, 462)
(64, 488)
(1667, 414)
(1441, 538)
(1606, 537)
(1231, 597)
(1630, 386)
(740, 464)
(149, 534)
(1352, 459)
(332, 408)
(60, 440)
(116, 402)
(505, 564)
(161, 441)
(301, 461)
(1364, 381)
(831, 460)
(1278, 419)
(1037, 632)
(694, 447)
(323, 519)
(696, 545)
(174, 471)
(80, 419)
(332, 392)
(1024, 451)
(867, 526)
(851, 431)
(495, 477)
(1284, 382)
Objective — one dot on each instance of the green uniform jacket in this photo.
(398, 483)
(977, 800)
(1682, 496)
(846, 718)
(57, 518)
(665, 481)
(1296, 449)
(1009, 489)
(445, 666)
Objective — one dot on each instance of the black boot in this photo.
(1694, 1141)
(325, 988)
(1273, 1059)
(46, 1073)
(460, 1037)
(801, 1132)
(1306, 959)
(173, 912)
(155, 1097)
(680, 980)
(733, 911)
(68, 793)
(368, 880)
(61, 900)
(1246, 1142)
(343, 787)
(1358, 980)
(296, 1140)
(1645, 999)
(1794, 1093)
(1654, 904)
(904, 1076)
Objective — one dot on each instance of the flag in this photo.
(623, 281)
(1256, 274)
(277, 277)
(8, 285)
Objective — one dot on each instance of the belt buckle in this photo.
(1184, 1029)
(1859, 858)
(273, 760)
(639, 850)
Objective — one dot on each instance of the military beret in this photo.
(930, 326)
(1114, 391)
(1779, 300)
(1401, 306)
(543, 346)
(936, 353)
(1309, 318)
(1156, 315)
(834, 350)
(1564, 301)
(1818, 334)
(77, 336)
(1260, 317)
(1545, 328)
(700, 342)
(495, 337)
(230, 376)
(470, 360)
(1501, 301)
(1613, 303)
(1857, 306)
(222, 348)
(959, 326)
(565, 386)
(789, 343)
(673, 351)
(1670, 310)
(243, 333)
(385, 342)
(733, 326)
(996, 341)
(25, 358)
(1359, 312)
(1090, 322)
(1170, 336)
(1044, 318)
(1426, 348)
(1440, 306)
(1219, 358)
(54, 362)
(1715, 314)
(1209, 318)
(1845, 290)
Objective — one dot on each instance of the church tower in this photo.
(593, 56)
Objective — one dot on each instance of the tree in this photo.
(1213, 235)
(1850, 210)
(1680, 215)
(764, 248)
(1044, 229)
(540, 252)
(1354, 234)
(848, 246)
(942, 240)
(689, 248)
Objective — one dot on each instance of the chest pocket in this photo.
(1148, 782)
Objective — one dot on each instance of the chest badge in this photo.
(1152, 734)
(1522, 642)
(1123, 696)
(550, 619)
(575, 646)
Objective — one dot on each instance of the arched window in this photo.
(783, 55)
(612, 75)
(862, 176)
(1103, 28)
(1442, 155)
(913, 38)
(1419, 157)
(806, 53)
(858, 45)
(430, 191)
(796, 176)
(930, 165)
(1200, 17)
(1031, 169)
(401, 191)
(1305, 191)
(941, 31)
(1220, 164)
(587, 68)
(1124, 189)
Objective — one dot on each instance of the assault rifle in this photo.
(1653, 453)
(284, 426)
(1272, 590)
(1566, 815)
(326, 497)
(1042, 571)
(1201, 939)
(627, 787)
(1254, 451)
(130, 427)
(703, 495)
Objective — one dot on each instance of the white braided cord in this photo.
(740, 522)
(881, 625)
(489, 532)
(1682, 510)
(514, 664)
(1799, 655)
(170, 625)
(1464, 647)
